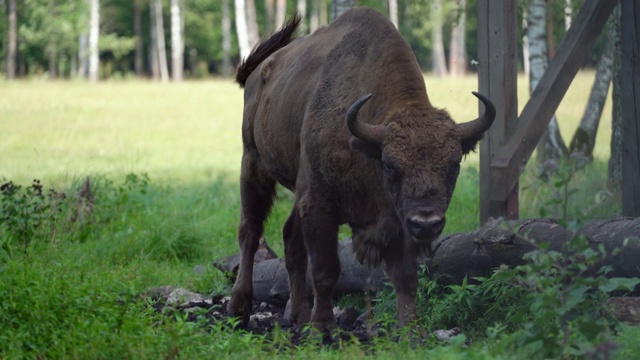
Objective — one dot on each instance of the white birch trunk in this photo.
(162, 48)
(525, 46)
(241, 28)
(393, 12)
(94, 31)
(439, 61)
(551, 145)
(584, 139)
(252, 22)
(177, 49)
(281, 12)
(458, 47)
(568, 14)
(269, 6)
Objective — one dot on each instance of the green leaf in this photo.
(619, 283)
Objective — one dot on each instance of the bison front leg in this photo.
(403, 271)
(295, 259)
(257, 190)
(320, 229)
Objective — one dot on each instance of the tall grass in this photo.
(164, 164)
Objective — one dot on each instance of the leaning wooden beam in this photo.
(574, 48)
(472, 254)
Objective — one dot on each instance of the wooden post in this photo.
(497, 76)
(630, 100)
(507, 165)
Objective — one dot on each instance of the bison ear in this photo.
(370, 149)
(468, 145)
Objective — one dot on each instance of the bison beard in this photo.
(386, 164)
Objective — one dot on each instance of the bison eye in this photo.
(390, 172)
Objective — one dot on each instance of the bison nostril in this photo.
(422, 226)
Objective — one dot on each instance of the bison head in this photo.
(419, 149)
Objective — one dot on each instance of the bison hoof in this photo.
(239, 308)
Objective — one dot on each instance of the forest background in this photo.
(163, 39)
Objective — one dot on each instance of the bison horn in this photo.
(475, 128)
(366, 132)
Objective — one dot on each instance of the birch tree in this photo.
(94, 31)
(439, 63)
(339, 7)
(241, 29)
(226, 39)
(551, 145)
(269, 6)
(12, 41)
(252, 22)
(281, 12)
(161, 45)
(584, 138)
(393, 12)
(458, 47)
(177, 42)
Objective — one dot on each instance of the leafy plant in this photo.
(565, 311)
(24, 213)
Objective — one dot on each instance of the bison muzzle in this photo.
(342, 119)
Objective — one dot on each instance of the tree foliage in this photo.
(50, 31)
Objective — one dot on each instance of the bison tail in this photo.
(267, 47)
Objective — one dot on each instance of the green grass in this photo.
(164, 163)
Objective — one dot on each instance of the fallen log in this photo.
(473, 254)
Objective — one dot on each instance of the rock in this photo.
(183, 297)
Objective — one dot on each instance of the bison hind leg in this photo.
(295, 256)
(257, 191)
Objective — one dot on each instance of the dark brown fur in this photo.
(393, 190)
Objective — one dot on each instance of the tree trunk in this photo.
(242, 30)
(439, 62)
(568, 14)
(162, 48)
(458, 48)
(12, 41)
(177, 48)
(226, 39)
(584, 138)
(615, 160)
(269, 6)
(314, 19)
(551, 41)
(154, 60)
(94, 31)
(525, 45)
(252, 23)
(301, 7)
(52, 54)
(340, 7)
(138, 62)
(393, 12)
(281, 12)
(551, 145)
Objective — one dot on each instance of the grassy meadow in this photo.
(164, 161)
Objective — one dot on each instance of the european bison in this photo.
(342, 118)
